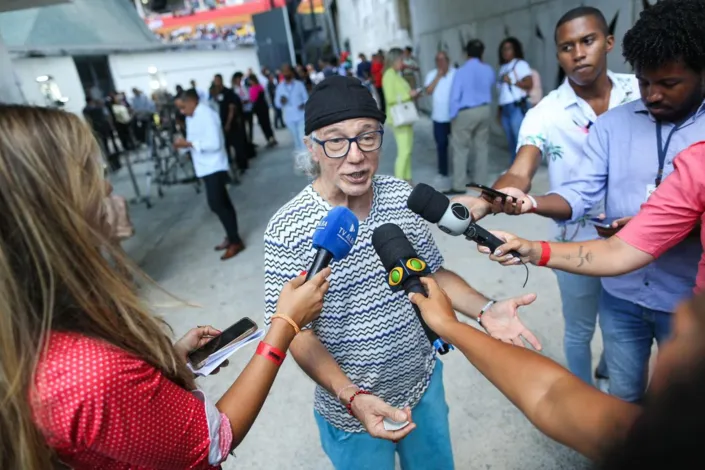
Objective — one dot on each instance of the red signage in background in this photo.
(226, 22)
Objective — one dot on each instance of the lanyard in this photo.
(662, 150)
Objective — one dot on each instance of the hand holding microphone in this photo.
(405, 269)
(529, 251)
(302, 300)
(436, 308)
(453, 218)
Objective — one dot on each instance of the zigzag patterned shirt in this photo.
(372, 333)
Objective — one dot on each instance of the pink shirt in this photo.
(255, 91)
(673, 210)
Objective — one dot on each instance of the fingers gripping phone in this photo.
(237, 332)
(602, 223)
(488, 193)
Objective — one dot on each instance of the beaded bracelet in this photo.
(352, 398)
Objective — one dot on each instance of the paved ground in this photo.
(174, 245)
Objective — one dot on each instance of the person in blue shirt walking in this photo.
(629, 151)
(291, 97)
(470, 97)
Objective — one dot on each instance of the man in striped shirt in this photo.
(368, 338)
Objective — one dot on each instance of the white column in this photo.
(10, 91)
(140, 8)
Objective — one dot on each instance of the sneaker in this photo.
(442, 183)
(455, 192)
(602, 383)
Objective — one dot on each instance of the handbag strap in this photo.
(511, 86)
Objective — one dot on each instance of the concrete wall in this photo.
(61, 69)
(449, 24)
(179, 67)
(10, 90)
(130, 70)
(370, 25)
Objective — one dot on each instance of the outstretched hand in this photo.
(502, 322)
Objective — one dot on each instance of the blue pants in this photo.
(441, 132)
(629, 331)
(426, 448)
(296, 129)
(512, 116)
(580, 296)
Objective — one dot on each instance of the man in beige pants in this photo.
(470, 99)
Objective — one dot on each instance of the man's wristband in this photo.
(545, 254)
(340, 392)
(270, 352)
(487, 306)
(533, 202)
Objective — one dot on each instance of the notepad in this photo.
(218, 357)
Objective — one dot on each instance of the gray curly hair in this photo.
(304, 159)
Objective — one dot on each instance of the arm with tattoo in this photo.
(605, 257)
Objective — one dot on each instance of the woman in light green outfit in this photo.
(397, 90)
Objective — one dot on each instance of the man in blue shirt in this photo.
(470, 98)
(629, 150)
(290, 97)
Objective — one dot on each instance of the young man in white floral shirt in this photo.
(556, 129)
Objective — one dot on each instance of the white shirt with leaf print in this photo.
(558, 126)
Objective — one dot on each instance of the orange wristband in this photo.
(291, 322)
(545, 254)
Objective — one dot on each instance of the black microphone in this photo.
(453, 218)
(405, 268)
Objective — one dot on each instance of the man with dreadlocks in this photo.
(629, 150)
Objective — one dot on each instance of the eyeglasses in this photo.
(339, 147)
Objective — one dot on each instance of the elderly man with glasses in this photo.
(368, 352)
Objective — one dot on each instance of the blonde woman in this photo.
(88, 377)
(397, 90)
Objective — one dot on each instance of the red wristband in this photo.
(349, 405)
(545, 254)
(270, 352)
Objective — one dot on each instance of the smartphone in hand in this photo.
(602, 223)
(237, 332)
(489, 194)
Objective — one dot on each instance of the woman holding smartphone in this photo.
(88, 376)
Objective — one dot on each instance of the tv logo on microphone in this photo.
(348, 236)
(404, 269)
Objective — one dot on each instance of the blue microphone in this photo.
(334, 238)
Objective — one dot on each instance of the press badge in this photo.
(650, 188)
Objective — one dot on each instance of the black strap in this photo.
(662, 150)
